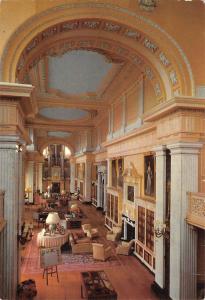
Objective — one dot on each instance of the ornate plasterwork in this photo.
(8, 73)
(119, 53)
(131, 174)
(196, 209)
(147, 5)
(115, 53)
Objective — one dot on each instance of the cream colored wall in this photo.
(105, 129)
(117, 122)
(149, 96)
(169, 14)
(131, 105)
(138, 161)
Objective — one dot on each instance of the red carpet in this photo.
(70, 262)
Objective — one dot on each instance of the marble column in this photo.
(30, 179)
(87, 196)
(105, 191)
(183, 239)
(10, 182)
(1, 243)
(160, 212)
(99, 188)
(62, 162)
(72, 175)
(40, 177)
(109, 172)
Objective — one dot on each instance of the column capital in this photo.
(72, 160)
(185, 148)
(11, 141)
(160, 150)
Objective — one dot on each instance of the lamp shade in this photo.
(53, 218)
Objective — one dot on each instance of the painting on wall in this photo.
(130, 193)
(149, 176)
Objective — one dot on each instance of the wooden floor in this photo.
(131, 279)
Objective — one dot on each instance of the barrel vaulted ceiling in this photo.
(77, 68)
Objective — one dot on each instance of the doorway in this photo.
(56, 187)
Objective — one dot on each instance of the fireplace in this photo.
(130, 232)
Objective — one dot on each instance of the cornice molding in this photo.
(22, 93)
(139, 131)
(16, 90)
(163, 109)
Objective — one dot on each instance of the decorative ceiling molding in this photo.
(34, 50)
(58, 13)
(110, 46)
(147, 5)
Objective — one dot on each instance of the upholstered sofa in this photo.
(80, 244)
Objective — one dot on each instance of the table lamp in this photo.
(52, 220)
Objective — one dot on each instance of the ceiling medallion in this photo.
(147, 5)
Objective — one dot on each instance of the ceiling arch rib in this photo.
(114, 50)
(68, 11)
(141, 42)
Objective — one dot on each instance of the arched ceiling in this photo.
(130, 53)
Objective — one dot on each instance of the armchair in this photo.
(100, 252)
(125, 248)
(93, 233)
(115, 234)
(86, 228)
(89, 231)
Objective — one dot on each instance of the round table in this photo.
(48, 241)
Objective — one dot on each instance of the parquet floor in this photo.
(131, 279)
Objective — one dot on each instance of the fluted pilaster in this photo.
(109, 172)
(183, 239)
(88, 165)
(40, 177)
(160, 211)
(30, 177)
(105, 192)
(10, 182)
(99, 190)
(72, 175)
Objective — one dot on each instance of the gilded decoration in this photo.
(88, 44)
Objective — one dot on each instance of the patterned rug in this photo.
(70, 262)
